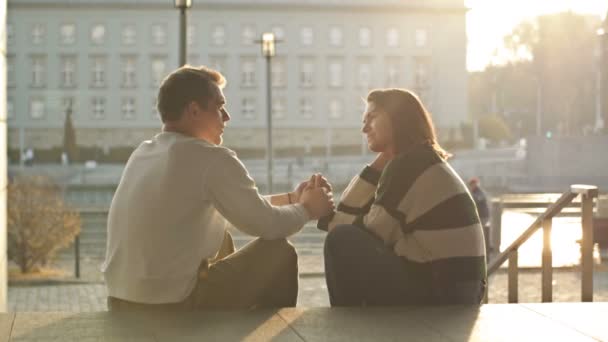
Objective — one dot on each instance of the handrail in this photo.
(587, 193)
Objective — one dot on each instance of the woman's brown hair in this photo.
(412, 123)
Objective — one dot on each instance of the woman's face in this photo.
(378, 129)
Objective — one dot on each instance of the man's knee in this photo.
(281, 250)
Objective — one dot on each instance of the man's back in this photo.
(155, 234)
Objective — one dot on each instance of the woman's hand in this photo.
(315, 181)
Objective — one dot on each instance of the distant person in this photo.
(406, 230)
(168, 246)
(483, 208)
(28, 157)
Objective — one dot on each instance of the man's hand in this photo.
(317, 180)
(316, 199)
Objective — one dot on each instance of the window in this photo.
(422, 79)
(68, 103)
(248, 107)
(278, 72)
(279, 32)
(68, 71)
(248, 72)
(11, 81)
(336, 37)
(128, 108)
(307, 70)
(335, 74)
(38, 34)
(10, 33)
(421, 72)
(306, 107)
(392, 71)
(218, 63)
(392, 37)
(336, 108)
(191, 35)
(98, 34)
(98, 72)
(68, 34)
(193, 59)
(98, 108)
(159, 70)
(10, 109)
(155, 113)
(364, 73)
(365, 37)
(278, 107)
(37, 110)
(420, 37)
(159, 34)
(128, 71)
(218, 35)
(38, 71)
(129, 35)
(306, 36)
(248, 35)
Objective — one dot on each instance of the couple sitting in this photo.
(406, 230)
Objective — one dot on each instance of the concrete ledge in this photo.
(491, 322)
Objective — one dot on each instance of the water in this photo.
(566, 231)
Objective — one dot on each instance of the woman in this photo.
(406, 230)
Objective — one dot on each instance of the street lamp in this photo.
(268, 51)
(599, 120)
(182, 5)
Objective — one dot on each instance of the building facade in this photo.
(107, 59)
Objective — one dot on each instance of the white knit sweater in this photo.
(176, 197)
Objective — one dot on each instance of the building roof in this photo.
(405, 4)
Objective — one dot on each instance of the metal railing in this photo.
(588, 193)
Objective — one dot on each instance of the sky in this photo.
(488, 21)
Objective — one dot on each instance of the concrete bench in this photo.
(491, 322)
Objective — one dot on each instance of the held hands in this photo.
(316, 196)
(320, 182)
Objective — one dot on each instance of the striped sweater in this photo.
(421, 209)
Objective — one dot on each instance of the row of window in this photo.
(98, 66)
(218, 35)
(249, 108)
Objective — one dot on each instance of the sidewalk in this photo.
(87, 297)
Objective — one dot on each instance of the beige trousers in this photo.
(262, 274)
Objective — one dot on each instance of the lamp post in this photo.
(183, 6)
(599, 120)
(268, 51)
(539, 105)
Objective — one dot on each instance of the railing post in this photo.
(587, 248)
(77, 256)
(495, 226)
(512, 278)
(547, 263)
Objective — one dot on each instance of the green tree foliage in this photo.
(39, 223)
(554, 53)
(494, 128)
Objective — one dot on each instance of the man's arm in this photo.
(236, 197)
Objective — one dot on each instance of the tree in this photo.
(560, 48)
(39, 223)
(494, 128)
(69, 136)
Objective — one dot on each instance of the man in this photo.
(168, 246)
(483, 209)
